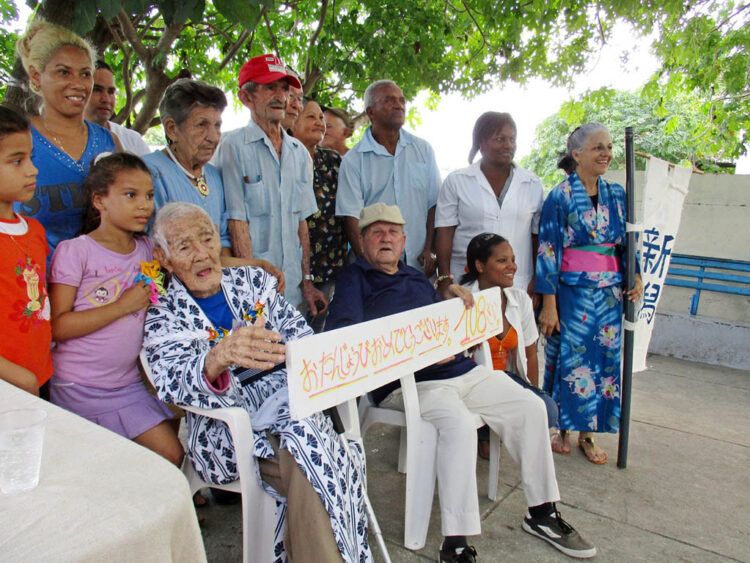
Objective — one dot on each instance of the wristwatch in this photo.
(308, 277)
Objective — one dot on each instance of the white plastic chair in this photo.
(418, 455)
(258, 507)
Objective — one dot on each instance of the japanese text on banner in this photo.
(330, 368)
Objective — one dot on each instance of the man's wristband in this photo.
(442, 279)
(308, 277)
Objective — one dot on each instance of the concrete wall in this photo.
(715, 223)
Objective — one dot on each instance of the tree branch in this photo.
(131, 35)
(271, 33)
(737, 12)
(148, 26)
(170, 35)
(236, 46)
(314, 38)
(123, 114)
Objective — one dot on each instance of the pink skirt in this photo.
(129, 411)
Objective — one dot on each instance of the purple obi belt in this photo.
(590, 258)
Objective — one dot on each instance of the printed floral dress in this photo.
(581, 260)
(328, 244)
(177, 339)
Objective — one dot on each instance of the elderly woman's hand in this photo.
(549, 322)
(637, 292)
(249, 347)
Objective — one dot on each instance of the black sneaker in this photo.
(458, 555)
(556, 531)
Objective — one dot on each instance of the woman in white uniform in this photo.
(493, 195)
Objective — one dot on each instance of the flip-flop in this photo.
(561, 441)
(588, 440)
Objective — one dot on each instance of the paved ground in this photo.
(685, 495)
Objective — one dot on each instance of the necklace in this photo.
(59, 143)
(200, 181)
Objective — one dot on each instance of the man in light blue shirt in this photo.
(394, 167)
(268, 178)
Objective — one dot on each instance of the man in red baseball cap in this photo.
(264, 69)
(268, 179)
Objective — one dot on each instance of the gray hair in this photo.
(183, 95)
(250, 86)
(372, 88)
(173, 211)
(575, 142)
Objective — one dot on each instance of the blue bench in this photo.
(709, 274)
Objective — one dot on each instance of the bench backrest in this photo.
(709, 274)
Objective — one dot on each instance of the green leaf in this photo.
(245, 13)
(109, 8)
(84, 16)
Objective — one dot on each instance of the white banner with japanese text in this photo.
(663, 196)
(332, 367)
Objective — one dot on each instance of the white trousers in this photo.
(516, 414)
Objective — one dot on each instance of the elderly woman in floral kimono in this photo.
(192, 348)
(579, 273)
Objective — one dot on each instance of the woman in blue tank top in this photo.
(60, 66)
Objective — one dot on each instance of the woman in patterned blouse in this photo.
(327, 240)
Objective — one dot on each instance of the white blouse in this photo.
(467, 201)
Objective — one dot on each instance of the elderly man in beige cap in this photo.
(378, 284)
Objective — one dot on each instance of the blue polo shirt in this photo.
(364, 293)
(409, 178)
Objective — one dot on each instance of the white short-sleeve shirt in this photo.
(467, 202)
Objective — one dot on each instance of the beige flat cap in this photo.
(380, 212)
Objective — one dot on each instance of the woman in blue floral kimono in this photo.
(579, 274)
(192, 346)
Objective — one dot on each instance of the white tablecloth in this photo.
(100, 498)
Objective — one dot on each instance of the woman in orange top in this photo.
(490, 262)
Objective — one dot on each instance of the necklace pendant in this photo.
(203, 186)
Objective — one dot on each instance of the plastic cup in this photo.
(21, 439)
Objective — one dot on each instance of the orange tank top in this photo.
(500, 349)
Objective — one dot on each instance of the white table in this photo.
(100, 498)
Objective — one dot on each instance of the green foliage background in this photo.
(466, 46)
(664, 128)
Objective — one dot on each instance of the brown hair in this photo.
(12, 122)
(103, 173)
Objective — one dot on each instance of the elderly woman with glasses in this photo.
(579, 273)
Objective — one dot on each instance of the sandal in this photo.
(589, 449)
(560, 442)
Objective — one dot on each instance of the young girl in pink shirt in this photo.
(98, 309)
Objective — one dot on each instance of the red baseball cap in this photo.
(265, 69)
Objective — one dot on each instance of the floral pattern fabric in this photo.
(328, 242)
(582, 365)
(177, 341)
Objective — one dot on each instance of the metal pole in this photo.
(338, 427)
(627, 367)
